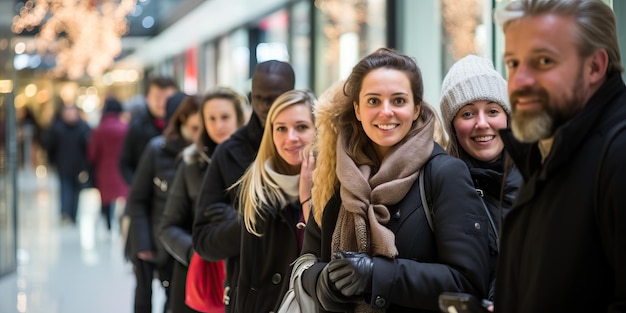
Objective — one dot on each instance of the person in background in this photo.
(563, 245)
(221, 113)
(475, 106)
(103, 153)
(148, 194)
(145, 124)
(216, 231)
(375, 249)
(66, 144)
(28, 137)
(270, 198)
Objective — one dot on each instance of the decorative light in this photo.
(85, 35)
(460, 20)
(343, 19)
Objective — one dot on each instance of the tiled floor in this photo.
(66, 268)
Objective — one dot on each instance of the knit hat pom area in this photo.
(470, 79)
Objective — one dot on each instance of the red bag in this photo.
(205, 285)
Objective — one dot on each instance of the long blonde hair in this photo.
(257, 190)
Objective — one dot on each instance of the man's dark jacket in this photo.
(559, 252)
(142, 128)
(66, 145)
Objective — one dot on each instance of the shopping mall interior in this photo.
(57, 52)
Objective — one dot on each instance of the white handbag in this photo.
(296, 300)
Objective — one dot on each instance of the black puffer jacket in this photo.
(498, 199)
(148, 192)
(488, 179)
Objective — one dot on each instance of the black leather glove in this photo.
(351, 273)
(328, 296)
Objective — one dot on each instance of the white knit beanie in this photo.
(470, 79)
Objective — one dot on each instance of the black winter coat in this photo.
(216, 229)
(454, 258)
(66, 145)
(265, 261)
(497, 198)
(560, 252)
(177, 221)
(142, 128)
(148, 192)
(489, 182)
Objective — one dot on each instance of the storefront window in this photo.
(348, 30)
(8, 149)
(273, 37)
(466, 29)
(301, 43)
(233, 61)
(208, 68)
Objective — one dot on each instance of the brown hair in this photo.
(188, 106)
(238, 101)
(358, 144)
(161, 82)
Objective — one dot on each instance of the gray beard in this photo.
(529, 128)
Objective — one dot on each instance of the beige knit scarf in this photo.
(365, 195)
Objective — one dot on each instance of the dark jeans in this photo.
(70, 189)
(107, 212)
(144, 274)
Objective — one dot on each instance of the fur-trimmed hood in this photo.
(191, 154)
(325, 180)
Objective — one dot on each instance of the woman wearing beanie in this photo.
(374, 248)
(474, 107)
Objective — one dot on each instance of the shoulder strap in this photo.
(427, 211)
(491, 222)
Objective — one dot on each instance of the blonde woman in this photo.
(272, 195)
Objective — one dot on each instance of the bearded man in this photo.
(563, 243)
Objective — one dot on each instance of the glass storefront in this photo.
(8, 155)
(229, 59)
(8, 147)
(345, 32)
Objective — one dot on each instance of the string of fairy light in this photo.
(85, 35)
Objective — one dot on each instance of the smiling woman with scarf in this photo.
(375, 249)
